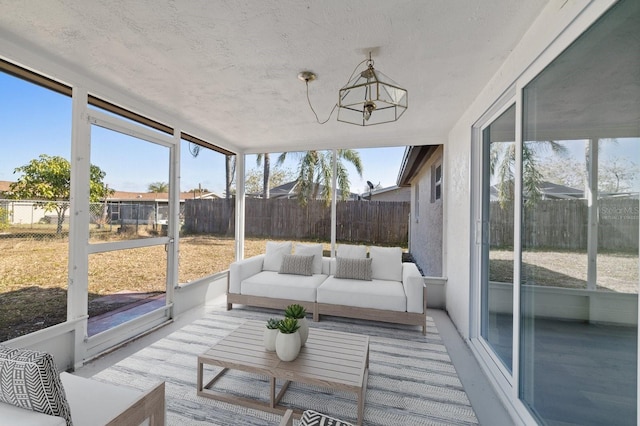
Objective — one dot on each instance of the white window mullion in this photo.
(517, 248)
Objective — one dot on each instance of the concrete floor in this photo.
(488, 407)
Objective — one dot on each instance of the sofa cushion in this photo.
(353, 251)
(355, 269)
(386, 263)
(311, 249)
(12, 415)
(376, 294)
(282, 286)
(296, 264)
(96, 403)
(274, 255)
(29, 379)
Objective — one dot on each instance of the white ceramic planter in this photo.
(288, 346)
(269, 339)
(303, 330)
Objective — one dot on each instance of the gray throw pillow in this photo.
(354, 269)
(29, 379)
(297, 264)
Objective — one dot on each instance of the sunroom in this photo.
(520, 145)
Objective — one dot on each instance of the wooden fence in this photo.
(562, 224)
(369, 222)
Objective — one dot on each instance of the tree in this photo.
(158, 187)
(230, 171)
(253, 183)
(266, 175)
(315, 173)
(4, 219)
(47, 180)
(502, 165)
(614, 175)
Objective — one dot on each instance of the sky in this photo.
(38, 121)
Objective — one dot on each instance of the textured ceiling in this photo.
(228, 69)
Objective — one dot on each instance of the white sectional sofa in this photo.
(375, 287)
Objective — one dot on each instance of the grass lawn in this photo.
(616, 271)
(33, 274)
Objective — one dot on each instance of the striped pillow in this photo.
(29, 379)
(353, 269)
(313, 418)
(297, 264)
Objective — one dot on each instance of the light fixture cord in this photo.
(314, 111)
(336, 105)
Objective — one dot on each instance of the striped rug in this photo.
(411, 378)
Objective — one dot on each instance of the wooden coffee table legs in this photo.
(275, 395)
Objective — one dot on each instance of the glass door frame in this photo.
(505, 381)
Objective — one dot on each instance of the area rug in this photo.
(411, 378)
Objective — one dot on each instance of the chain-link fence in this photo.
(110, 219)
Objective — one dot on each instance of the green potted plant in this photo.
(288, 339)
(300, 313)
(270, 334)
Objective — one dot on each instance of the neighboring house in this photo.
(391, 193)
(5, 188)
(548, 191)
(288, 190)
(122, 207)
(421, 170)
(132, 207)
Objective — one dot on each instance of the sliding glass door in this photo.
(559, 238)
(498, 183)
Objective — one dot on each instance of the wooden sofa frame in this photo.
(150, 405)
(317, 309)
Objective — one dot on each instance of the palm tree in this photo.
(158, 187)
(315, 173)
(502, 163)
(266, 176)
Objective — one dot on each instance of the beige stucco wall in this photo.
(426, 220)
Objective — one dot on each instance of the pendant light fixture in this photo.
(369, 98)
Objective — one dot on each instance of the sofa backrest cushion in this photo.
(354, 269)
(29, 379)
(386, 263)
(297, 264)
(311, 249)
(274, 255)
(351, 251)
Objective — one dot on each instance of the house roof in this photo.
(134, 196)
(548, 190)
(227, 72)
(412, 161)
(5, 186)
(288, 190)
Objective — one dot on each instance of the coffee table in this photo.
(329, 359)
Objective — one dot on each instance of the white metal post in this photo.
(240, 213)
(78, 283)
(173, 229)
